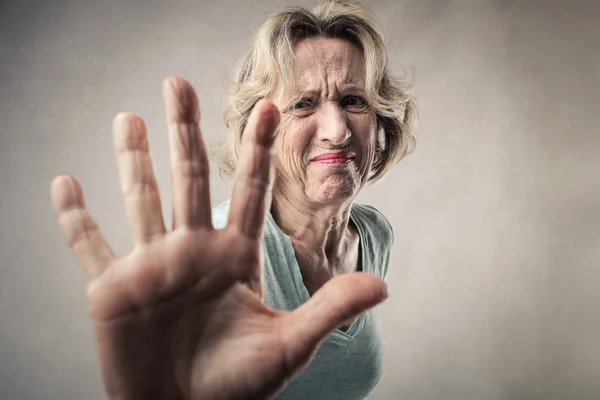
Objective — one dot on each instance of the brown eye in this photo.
(354, 103)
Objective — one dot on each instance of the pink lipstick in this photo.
(334, 158)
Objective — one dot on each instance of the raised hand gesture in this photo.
(182, 315)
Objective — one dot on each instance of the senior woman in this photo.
(235, 303)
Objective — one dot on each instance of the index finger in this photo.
(251, 197)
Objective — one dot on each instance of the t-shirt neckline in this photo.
(298, 283)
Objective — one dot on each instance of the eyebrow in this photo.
(349, 87)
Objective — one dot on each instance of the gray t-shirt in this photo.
(348, 364)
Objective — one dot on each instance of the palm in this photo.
(182, 315)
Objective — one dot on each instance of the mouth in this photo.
(334, 158)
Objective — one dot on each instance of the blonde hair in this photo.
(271, 54)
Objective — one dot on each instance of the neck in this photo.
(322, 231)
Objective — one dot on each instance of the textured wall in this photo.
(495, 269)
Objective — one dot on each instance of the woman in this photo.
(189, 313)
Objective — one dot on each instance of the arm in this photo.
(182, 315)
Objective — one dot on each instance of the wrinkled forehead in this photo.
(325, 63)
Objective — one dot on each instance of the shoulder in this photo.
(375, 222)
(220, 214)
(377, 237)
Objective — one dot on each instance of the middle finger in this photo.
(189, 162)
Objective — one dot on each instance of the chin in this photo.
(334, 191)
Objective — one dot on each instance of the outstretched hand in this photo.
(182, 315)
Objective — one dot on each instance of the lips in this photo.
(334, 158)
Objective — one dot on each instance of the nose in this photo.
(333, 128)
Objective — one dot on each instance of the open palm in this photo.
(182, 315)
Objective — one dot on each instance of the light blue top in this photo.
(348, 364)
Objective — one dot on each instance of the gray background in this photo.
(495, 269)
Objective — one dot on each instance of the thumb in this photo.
(341, 298)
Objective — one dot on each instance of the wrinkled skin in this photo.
(325, 111)
(182, 316)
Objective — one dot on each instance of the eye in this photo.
(301, 104)
(302, 107)
(354, 103)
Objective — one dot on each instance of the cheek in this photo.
(366, 134)
(365, 130)
(292, 148)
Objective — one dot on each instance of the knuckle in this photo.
(256, 183)
(193, 168)
(79, 227)
(143, 189)
(257, 166)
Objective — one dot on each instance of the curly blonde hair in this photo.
(271, 55)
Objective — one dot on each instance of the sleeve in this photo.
(382, 236)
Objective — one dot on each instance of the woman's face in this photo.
(327, 130)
